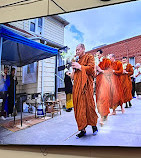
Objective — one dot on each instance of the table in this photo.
(53, 107)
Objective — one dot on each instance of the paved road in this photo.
(119, 130)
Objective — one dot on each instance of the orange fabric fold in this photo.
(83, 100)
(103, 88)
(127, 83)
(117, 92)
(108, 87)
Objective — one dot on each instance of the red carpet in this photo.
(27, 122)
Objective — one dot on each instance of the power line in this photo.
(18, 3)
(58, 5)
(10, 4)
(27, 3)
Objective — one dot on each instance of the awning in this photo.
(19, 51)
(13, 10)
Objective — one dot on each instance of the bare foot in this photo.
(123, 111)
(101, 122)
(113, 113)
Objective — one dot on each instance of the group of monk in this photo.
(113, 87)
(113, 84)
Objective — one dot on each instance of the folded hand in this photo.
(76, 65)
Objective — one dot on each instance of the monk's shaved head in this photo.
(112, 57)
(124, 60)
(82, 46)
(80, 50)
(99, 53)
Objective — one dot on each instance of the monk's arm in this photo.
(99, 69)
(107, 63)
(120, 69)
(90, 67)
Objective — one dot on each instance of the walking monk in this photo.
(83, 100)
(103, 89)
(126, 81)
(116, 91)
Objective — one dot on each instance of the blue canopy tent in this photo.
(16, 50)
(19, 51)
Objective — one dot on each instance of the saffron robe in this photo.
(103, 88)
(83, 99)
(117, 90)
(127, 83)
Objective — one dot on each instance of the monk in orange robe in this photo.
(83, 100)
(103, 89)
(126, 81)
(117, 90)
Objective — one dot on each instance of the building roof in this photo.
(33, 36)
(20, 31)
(132, 45)
(60, 19)
(48, 42)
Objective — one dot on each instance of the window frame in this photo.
(133, 57)
(36, 26)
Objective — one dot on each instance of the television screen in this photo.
(72, 79)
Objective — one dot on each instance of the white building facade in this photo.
(40, 76)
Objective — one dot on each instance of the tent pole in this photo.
(1, 41)
(20, 72)
(42, 91)
(14, 109)
(56, 72)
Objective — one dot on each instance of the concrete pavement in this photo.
(119, 130)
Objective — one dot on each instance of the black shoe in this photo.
(126, 106)
(69, 110)
(81, 134)
(95, 130)
(130, 104)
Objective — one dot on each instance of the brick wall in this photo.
(130, 48)
(138, 59)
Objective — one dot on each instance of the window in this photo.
(30, 68)
(40, 24)
(29, 73)
(36, 25)
(132, 61)
(32, 25)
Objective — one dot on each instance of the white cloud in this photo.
(104, 25)
(70, 40)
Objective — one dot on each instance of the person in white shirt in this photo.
(137, 75)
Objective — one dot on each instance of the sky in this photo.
(104, 25)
